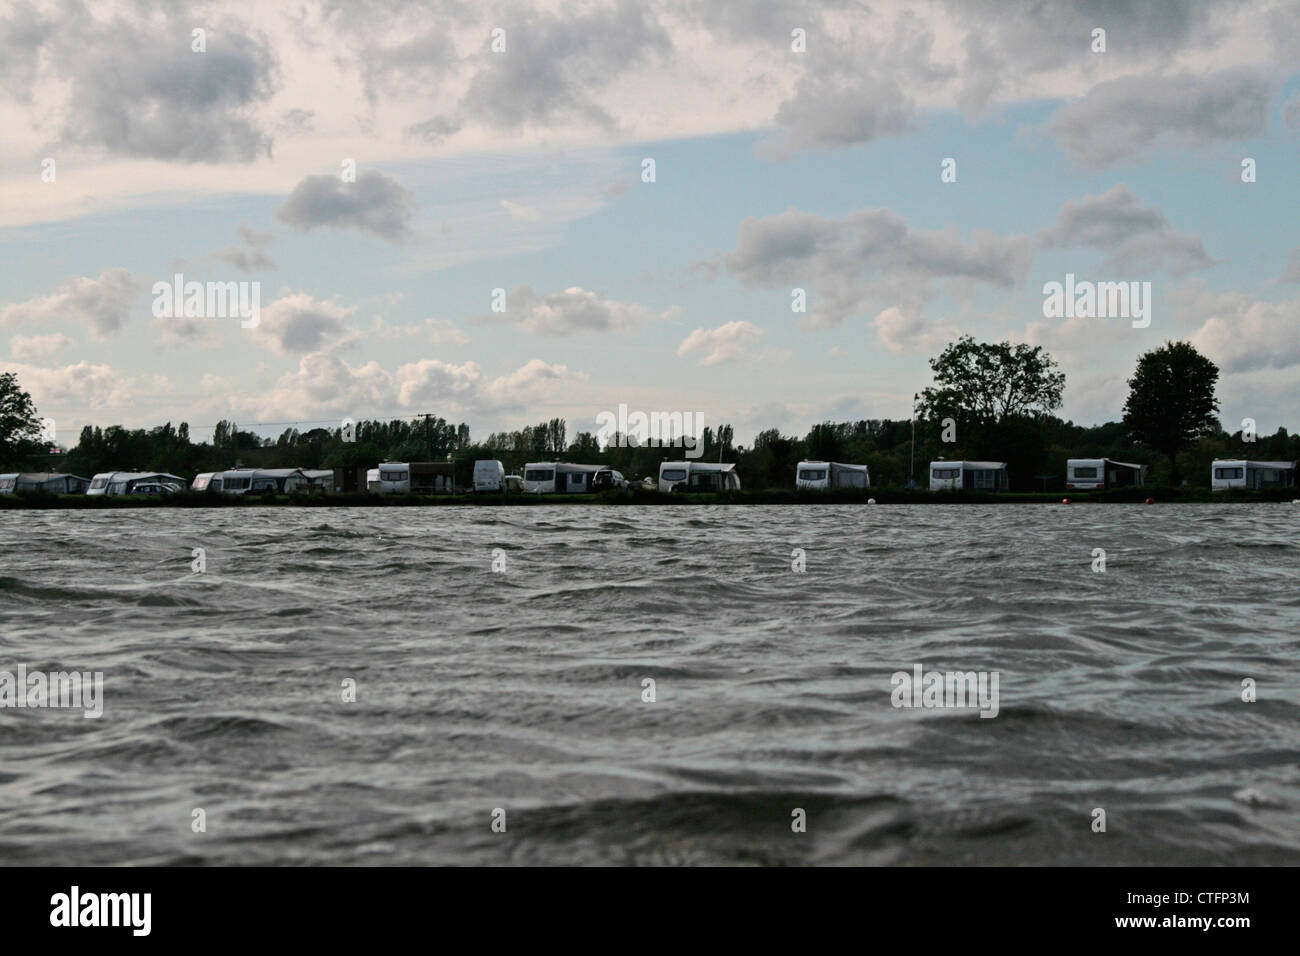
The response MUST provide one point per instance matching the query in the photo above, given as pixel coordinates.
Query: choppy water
(522, 690)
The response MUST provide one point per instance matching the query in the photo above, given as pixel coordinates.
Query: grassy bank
(884, 496)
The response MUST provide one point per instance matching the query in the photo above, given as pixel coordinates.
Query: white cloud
(103, 305)
(723, 344)
(299, 323)
(573, 310)
(39, 349)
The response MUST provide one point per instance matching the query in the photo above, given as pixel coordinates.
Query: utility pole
(428, 432)
(911, 461)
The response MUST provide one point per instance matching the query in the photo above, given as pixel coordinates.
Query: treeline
(1035, 449)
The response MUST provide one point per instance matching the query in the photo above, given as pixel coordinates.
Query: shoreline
(44, 501)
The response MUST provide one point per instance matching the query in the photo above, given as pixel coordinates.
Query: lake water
(522, 690)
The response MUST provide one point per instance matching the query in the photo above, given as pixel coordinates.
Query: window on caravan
(99, 483)
(8, 484)
(809, 474)
(1085, 472)
(117, 488)
(236, 484)
(392, 476)
(1268, 474)
(943, 473)
(985, 479)
(538, 474)
(265, 484)
(673, 474)
(1227, 473)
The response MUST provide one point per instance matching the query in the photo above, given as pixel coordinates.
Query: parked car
(607, 479)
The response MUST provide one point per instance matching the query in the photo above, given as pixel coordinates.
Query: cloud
(102, 304)
(375, 204)
(723, 344)
(1248, 336)
(1291, 114)
(553, 69)
(82, 385)
(298, 323)
(844, 264)
(1127, 118)
(246, 260)
(1139, 238)
(40, 349)
(325, 384)
(140, 90)
(573, 310)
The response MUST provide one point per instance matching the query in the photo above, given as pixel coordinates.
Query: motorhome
(968, 475)
(558, 477)
(390, 478)
(820, 475)
(1240, 473)
(207, 481)
(55, 483)
(122, 482)
(489, 475)
(698, 476)
(260, 481)
(1082, 474)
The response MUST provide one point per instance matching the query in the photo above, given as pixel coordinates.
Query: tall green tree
(19, 426)
(1171, 400)
(987, 382)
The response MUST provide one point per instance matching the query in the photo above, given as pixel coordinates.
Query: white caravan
(698, 476)
(259, 481)
(1082, 474)
(489, 475)
(1240, 473)
(820, 475)
(968, 475)
(122, 482)
(208, 481)
(558, 477)
(391, 477)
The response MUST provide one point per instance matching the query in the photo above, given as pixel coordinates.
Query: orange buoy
(1151, 501)
(1065, 501)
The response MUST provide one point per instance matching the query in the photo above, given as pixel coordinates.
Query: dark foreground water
(522, 690)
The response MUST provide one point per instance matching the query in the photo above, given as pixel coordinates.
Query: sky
(504, 212)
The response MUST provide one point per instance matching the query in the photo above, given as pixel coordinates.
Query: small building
(698, 476)
(821, 475)
(55, 483)
(1256, 475)
(968, 475)
(1086, 473)
(433, 477)
(350, 479)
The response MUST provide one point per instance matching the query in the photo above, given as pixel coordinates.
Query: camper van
(123, 482)
(820, 475)
(489, 476)
(968, 475)
(390, 478)
(698, 476)
(1086, 473)
(559, 477)
(1239, 473)
(260, 481)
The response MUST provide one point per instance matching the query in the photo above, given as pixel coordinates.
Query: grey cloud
(872, 253)
(570, 311)
(552, 68)
(246, 260)
(1138, 238)
(375, 204)
(1125, 119)
(141, 91)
